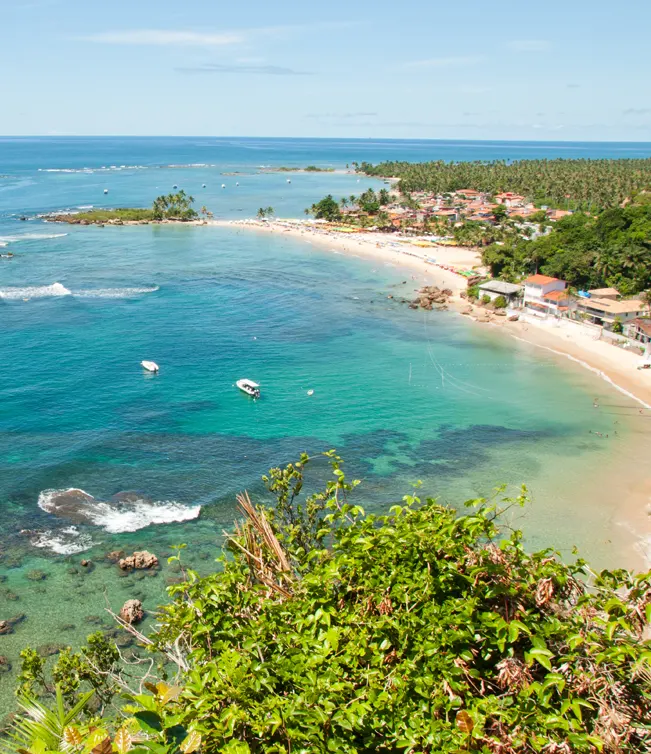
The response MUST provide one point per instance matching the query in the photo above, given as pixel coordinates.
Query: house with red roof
(544, 295)
(509, 199)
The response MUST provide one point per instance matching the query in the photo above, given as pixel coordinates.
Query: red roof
(555, 296)
(540, 280)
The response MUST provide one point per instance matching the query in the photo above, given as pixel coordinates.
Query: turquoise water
(403, 395)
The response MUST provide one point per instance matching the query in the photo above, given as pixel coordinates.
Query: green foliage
(153, 727)
(473, 292)
(40, 730)
(326, 209)
(174, 207)
(618, 327)
(613, 249)
(500, 302)
(97, 216)
(571, 184)
(265, 212)
(422, 630)
(500, 213)
(418, 631)
(485, 299)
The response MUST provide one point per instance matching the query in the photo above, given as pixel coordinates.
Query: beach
(625, 477)
(569, 339)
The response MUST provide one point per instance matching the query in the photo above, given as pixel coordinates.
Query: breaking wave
(31, 237)
(57, 289)
(114, 292)
(38, 291)
(124, 512)
(102, 169)
(68, 541)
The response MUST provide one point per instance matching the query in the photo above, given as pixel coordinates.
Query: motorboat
(106, 191)
(249, 387)
(150, 366)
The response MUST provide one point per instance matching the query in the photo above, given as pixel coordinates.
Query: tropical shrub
(423, 630)
(500, 302)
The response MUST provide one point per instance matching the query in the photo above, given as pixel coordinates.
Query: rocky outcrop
(142, 559)
(5, 627)
(429, 296)
(115, 556)
(132, 612)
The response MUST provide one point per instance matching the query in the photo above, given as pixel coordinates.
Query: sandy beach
(568, 339)
(627, 478)
(377, 246)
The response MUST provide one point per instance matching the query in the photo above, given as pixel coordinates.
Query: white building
(545, 295)
(495, 288)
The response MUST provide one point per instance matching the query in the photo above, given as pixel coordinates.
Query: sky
(571, 70)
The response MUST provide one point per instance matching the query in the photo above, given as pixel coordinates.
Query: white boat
(150, 366)
(249, 387)
(106, 191)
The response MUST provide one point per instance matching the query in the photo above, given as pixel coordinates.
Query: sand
(378, 246)
(569, 339)
(627, 480)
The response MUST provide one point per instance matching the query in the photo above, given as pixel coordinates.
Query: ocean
(402, 395)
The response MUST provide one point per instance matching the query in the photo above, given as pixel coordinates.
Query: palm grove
(605, 242)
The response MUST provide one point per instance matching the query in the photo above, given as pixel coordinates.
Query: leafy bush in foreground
(329, 630)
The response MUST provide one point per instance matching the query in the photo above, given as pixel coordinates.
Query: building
(509, 200)
(607, 293)
(604, 311)
(495, 288)
(639, 329)
(545, 295)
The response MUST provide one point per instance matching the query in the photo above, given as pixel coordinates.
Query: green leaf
(149, 722)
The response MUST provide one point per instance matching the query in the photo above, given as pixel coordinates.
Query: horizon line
(318, 138)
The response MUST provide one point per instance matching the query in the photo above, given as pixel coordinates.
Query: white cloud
(529, 45)
(165, 37)
(451, 62)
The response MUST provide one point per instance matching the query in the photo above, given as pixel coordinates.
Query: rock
(9, 595)
(132, 612)
(94, 620)
(47, 650)
(514, 318)
(67, 627)
(85, 563)
(36, 575)
(5, 627)
(139, 560)
(5, 665)
(500, 313)
(115, 556)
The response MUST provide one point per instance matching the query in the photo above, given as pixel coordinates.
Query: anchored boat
(249, 387)
(150, 366)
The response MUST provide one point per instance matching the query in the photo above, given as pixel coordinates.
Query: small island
(167, 208)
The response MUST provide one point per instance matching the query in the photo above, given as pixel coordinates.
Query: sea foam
(32, 237)
(37, 291)
(68, 541)
(57, 289)
(116, 516)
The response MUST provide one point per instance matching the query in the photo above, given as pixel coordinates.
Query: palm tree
(39, 729)
(262, 213)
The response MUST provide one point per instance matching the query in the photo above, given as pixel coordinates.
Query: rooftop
(540, 280)
(499, 286)
(604, 292)
(555, 296)
(644, 324)
(612, 307)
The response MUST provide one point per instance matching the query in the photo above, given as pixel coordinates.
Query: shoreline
(570, 340)
(626, 478)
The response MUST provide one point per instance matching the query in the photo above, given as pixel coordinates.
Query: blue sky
(572, 70)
